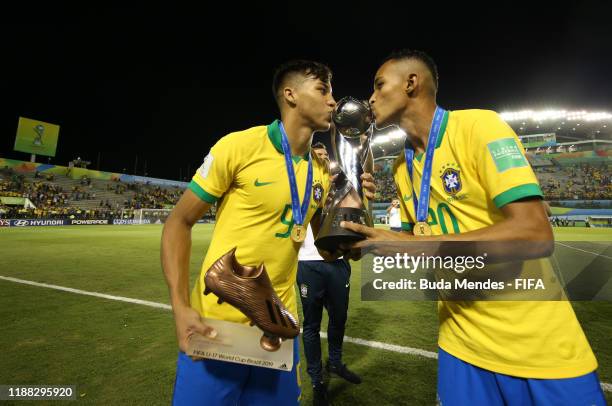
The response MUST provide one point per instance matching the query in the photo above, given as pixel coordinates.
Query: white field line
(84, 292)
(579, 249)
(359, 341)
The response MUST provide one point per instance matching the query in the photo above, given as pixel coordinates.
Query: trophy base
(331, 235)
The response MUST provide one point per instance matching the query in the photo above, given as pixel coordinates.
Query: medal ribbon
(299, 213)
(421, 205)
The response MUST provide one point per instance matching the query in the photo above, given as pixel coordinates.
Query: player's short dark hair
(319, 145)
(301, 66)
(419, 56)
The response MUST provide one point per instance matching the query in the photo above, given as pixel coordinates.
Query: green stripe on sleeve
(201, 193)
(516, 193)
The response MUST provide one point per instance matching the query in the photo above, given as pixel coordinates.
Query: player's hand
(188, 322)
(369, 187)
(374, 241)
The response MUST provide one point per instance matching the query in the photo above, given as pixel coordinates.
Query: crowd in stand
(578, 182)
(53, 201)
(155, 198)
(18, 212)
(385, 187)
(42, 195)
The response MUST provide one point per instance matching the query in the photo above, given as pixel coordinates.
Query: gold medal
(421, 229)
(298, 233)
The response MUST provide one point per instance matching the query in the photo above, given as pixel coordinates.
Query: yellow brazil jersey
(245, 171)
(478, 167)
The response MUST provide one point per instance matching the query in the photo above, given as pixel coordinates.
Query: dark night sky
(165, 84)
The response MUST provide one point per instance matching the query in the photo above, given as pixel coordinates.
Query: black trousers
(323, 284)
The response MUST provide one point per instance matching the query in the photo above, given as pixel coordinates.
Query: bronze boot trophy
(248, 288)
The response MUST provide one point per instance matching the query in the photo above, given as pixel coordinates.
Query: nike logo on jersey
(407, 197)
(258, 183)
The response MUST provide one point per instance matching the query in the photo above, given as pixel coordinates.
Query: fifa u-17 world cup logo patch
(304, 290)
(506, 154)
(203, 171)
(451, 179)
(317, 192)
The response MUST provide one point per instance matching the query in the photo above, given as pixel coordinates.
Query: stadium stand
(576, 182)
(56, 196)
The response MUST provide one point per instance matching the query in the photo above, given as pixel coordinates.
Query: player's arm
(176, 245)
(210, 182)
(524, 220)
(175, 253)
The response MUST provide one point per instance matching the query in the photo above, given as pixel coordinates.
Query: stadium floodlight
(598, 116)
(551, 114)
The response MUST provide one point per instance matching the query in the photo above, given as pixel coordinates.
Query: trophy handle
(368, 166)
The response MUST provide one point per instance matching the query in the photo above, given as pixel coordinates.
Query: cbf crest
(451, 179)
(317, 192)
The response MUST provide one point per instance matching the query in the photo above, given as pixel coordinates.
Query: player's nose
(331, 103)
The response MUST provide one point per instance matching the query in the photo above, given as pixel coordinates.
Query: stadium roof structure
(568, 125)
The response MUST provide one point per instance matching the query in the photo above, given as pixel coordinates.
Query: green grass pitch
(122, 353)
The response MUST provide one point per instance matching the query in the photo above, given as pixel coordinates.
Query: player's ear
(290, 95)
(411, 84)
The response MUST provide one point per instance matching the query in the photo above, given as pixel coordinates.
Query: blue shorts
(212, 382)
(461, 383)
